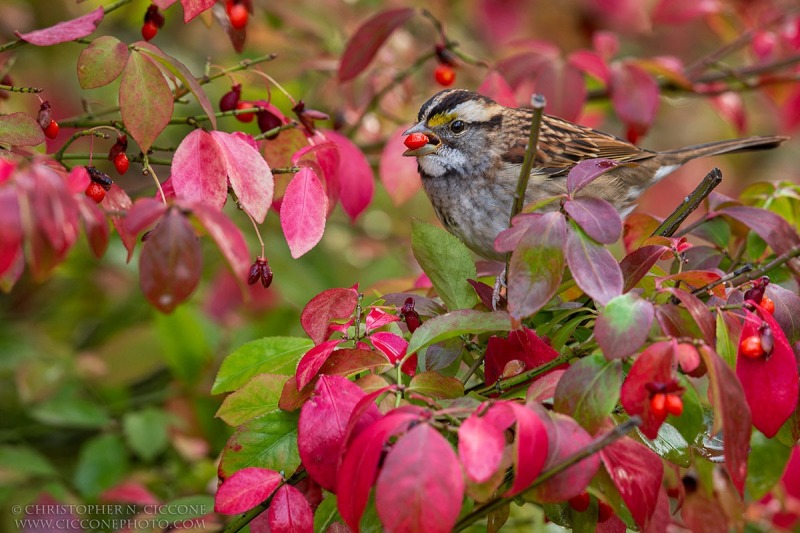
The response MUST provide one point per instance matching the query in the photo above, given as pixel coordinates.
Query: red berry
(768, 305)
(149, 30)
(445, 76)
(658, 405)
(51, 131)
(238, 15)
(96, 192)
(751, 347)
(674, 404)
(245, 117)
(604, 511)
(580, 502)
(122, 163)
(416, 140)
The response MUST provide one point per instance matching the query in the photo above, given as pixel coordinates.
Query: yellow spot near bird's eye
(440, 118)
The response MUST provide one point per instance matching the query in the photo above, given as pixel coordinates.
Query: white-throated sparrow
(472, 160)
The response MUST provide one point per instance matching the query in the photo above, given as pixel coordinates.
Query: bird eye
(457, 126)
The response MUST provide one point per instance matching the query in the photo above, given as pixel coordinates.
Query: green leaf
(691, 422)
(65, 411)
(435, 385)
(266, 442)
(24, 460)
(101, 62)
(623, 325)
(145, 100)
(589, 390)
(185, 344)
(327, 513)
(180, 71)
(716, 231)
(447, 262)
(186, 508)
(457, 323)
(670, 445)
(270, 355)
(257, 397)
(765, 465)
(20, 129)
(146, 432)
(726, 346)
(103, 463)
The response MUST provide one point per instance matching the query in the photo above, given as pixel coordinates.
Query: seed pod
(268, 121)
(230, 99)
(44, 119)
(99, 177)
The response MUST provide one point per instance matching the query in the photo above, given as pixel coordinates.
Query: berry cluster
(153, 21)
(231, 100)
(46, 122)
(760, 344)
(260, 270)
(665, 399)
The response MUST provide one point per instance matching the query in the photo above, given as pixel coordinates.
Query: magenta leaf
(377, 318)
(588, 391)
(356, 181)
(312, 361)
(68, 30)
(145, 100)
(20, 129)
(368, 38)
(654, 365)
(245, 489)
(595, 270)
(537, 265)
(530, 448)
(596, 217)
(322, 156)
(770, 381)
(118, 201)
(634, 95)
(228, 238)
(592, 63)
(192, 8)
(143, 214)
(359, 465)
(587, 171)
(398, 174)
(681, 11)
(496, 87)
(170, 263)
(731, 108)
(303, 212)
(199, 173)
(329, 305)
(290, 512)
(564, 87)
(415, 493)
(95, 225)
(394, 347)
(522, 345)
(101, 62)
(636, 472)
(249, 175)
(624, 325)
(480, 447)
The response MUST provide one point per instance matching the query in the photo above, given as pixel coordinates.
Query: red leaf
(544, 387)
(415, 493)
(638, 263)
(368, 38)
(249, 175)
(732, 415)
(198, 170)
(593, 267)
(398, 174)
(143, 214)
(770, 381)
(145, 100)
(228, 238)
(730, 107)
(322, 428)
(289, 512)
(95, 226)
(356, 181)
(329, 305)
(303, 212)
(312, 361)
(245, 489)
(521, 345)
(171, 262)
(681, 11)
(596, 217)
(480, 446)
(530, 448)
(587, 171)
(394, 348)
(377, 318)
(634, 95)
(564, 87)
(496, 87)
(654, 365)
(636, 472)
(118, 201)
(69, 30)
(700, 313)
(592, 63)
(360, 464)
(192, 8)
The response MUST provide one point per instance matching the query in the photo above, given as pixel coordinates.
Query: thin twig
(782, 259)
(502, 385)
(690, 203)
(724, 279)
(15, 89)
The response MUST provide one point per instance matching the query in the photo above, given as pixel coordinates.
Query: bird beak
(431, 147)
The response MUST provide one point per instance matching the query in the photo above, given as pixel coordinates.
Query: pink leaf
(329, 305)
(142, 215)
(77, 180)
(595, 270)
(530, 448)
(681, 11)
(398, 174)
(634, 95)
(313, 360)
(322, 156)
(369, 37)
(394, 348)
(118, 201)
(592, 63)
(245, 489)
(10, 230)
(21, 129)
(730, 107)
(303, 212)
(355, 177)
(192, 8)
(290, 512)
(323, 426)
(95, 225)
(198, 170)
(129, 492)
(229, 240)
(480, 447)
(377, 318)
(69, 30)
(636, 472)
(249, 175)
(596, 217)
(564, 87)
(415, 493)
(587, 171)
(145, 100)
(496, 87)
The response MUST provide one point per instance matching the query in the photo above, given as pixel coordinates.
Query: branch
(502, 385)
(782, 259)
(246, 518)
(15, 89)
(690, 203)
(609, 438)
